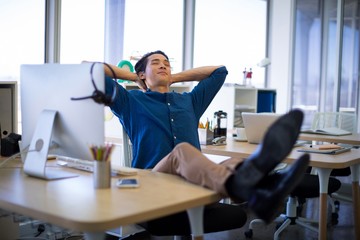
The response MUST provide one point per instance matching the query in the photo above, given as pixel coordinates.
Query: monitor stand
(35, 162)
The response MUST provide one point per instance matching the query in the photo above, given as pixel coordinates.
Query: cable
(10, 158)
(26, 150)
(97, 95)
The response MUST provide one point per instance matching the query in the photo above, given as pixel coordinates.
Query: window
(22, 35)
(22, 26)
(154, 25)
(231, 33)
(82, 31)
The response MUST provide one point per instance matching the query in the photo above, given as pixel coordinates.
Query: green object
(125, 65)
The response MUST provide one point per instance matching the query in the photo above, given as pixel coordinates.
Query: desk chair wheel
(249, 233)
(334, 218)
(337, 205)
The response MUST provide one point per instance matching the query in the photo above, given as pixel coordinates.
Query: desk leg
(324, 175)
(355, 173)
(196, 216)
(94, 235)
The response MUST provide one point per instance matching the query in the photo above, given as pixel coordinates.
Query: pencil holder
(102, 174)
(205, 136)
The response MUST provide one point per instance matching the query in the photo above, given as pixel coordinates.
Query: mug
(240, 133)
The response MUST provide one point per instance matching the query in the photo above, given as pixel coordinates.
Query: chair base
(290, 218)
(306, 223)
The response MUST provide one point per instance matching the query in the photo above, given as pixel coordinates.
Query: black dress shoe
(272, 190)
(276, 145)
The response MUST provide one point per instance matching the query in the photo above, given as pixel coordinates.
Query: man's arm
(124, 74)
(195, 74)
(119, 72)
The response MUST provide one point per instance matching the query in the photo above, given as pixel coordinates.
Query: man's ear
(141, 75)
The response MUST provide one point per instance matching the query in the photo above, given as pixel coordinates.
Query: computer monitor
(53, 123)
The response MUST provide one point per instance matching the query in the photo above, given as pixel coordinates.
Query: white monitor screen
(77, 124)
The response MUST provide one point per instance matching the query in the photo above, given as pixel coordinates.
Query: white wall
(280, 48)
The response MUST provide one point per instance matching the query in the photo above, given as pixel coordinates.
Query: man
(162, 127)
(156, 119)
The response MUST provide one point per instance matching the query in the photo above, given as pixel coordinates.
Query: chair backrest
(342, 120)
(127, 148)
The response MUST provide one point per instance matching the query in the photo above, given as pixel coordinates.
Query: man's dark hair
(141, 64)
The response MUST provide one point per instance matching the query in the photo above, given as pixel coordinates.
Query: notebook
(256, 125)
(328, 131)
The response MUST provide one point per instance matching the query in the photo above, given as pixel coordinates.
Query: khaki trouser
(189, 163)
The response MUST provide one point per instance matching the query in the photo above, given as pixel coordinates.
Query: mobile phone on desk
(127, 183)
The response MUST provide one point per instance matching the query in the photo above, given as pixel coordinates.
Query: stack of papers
(325, 148)
(328, 131)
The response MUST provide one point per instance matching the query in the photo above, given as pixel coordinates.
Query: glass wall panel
(350, 56)
(307, 57)
(326, 56)
(330, 55)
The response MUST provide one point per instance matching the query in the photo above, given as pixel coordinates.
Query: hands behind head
(141, 84)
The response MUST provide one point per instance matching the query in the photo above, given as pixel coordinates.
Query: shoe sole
(288, 125)
(273, 149)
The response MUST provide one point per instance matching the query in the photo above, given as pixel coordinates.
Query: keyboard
(87, 165)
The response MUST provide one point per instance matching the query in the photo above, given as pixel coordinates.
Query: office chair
(217, 216)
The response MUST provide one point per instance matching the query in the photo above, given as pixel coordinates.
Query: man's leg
(268, 196)
(263, 192)
(188, 162)
(250, 180)
(276, 145)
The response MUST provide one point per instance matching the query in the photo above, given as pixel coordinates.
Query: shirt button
(172, 119)
(174, 137)
(168, 104)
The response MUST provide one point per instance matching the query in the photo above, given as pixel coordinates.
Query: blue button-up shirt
(157, 122)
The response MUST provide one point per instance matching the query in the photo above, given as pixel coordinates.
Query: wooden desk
(73, 203)
(324, 163)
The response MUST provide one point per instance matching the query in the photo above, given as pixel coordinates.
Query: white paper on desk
(216, 158)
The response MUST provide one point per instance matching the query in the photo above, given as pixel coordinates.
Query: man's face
(158, 71)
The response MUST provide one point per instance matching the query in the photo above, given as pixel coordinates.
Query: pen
(207, 124)
(101, 153)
